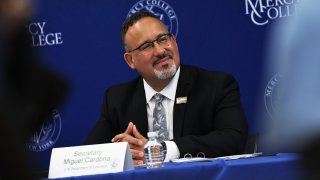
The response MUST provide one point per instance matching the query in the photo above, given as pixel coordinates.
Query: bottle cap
(153, 134)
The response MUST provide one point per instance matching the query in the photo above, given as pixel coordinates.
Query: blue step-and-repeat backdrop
(80, 39)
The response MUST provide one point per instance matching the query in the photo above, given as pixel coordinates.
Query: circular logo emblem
(115, 163)
(161, 9)
(47, 135)
(271, 94)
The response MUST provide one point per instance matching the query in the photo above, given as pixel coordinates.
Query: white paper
(201, 159)
(240, 156)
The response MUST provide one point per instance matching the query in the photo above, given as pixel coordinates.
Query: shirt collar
(169, 91)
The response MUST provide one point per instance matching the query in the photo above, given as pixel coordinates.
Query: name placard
(90, 159)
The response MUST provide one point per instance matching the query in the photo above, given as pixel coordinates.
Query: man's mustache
(164, 55)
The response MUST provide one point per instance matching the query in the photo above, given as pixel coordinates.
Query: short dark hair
(131, 20)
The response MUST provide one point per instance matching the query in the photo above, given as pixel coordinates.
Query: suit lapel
(179, 109)
(140, 118)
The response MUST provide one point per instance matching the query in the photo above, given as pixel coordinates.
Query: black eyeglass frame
(152, 42)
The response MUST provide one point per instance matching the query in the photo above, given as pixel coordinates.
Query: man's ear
(129, 60)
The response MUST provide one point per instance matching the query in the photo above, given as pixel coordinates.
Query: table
(280, 166)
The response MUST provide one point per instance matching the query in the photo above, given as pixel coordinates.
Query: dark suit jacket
(212, 121)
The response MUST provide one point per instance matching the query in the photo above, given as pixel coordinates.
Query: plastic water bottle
(153, 151)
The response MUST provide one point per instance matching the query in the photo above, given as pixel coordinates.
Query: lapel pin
(181, 100)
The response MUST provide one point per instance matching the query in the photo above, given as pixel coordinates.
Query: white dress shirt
(168, 102)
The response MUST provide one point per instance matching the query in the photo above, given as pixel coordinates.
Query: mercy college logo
(261, 11)
(47, 135)
(161, 9)
(271, 95)
(40, 38)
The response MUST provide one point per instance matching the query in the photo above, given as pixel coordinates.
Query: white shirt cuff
(172, 151)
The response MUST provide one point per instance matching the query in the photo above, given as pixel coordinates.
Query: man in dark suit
(203, 113)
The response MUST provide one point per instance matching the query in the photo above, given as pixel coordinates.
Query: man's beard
(166, 73)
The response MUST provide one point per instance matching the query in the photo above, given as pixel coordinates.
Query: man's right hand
(120, 137)
(136, 142)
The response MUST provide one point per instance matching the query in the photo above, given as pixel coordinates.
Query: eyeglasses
(163, 40)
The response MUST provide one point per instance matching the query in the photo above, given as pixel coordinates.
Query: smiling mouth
(162, 61)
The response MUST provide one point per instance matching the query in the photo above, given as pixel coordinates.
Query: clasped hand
(136, 142)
